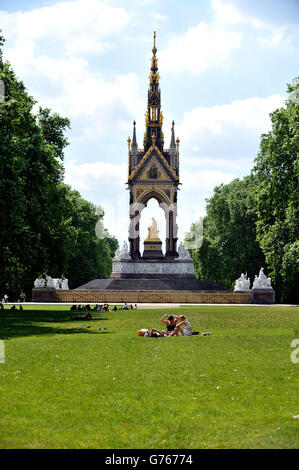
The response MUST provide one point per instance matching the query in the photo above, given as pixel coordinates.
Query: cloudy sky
(224, 66)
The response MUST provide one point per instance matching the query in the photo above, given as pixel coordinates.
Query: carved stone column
(134, 237)
(171, 238)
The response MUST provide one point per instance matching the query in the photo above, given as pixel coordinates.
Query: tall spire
(153, 115)
(134, 140)
(172, 146)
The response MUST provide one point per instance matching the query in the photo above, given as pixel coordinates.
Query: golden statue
(153, 232)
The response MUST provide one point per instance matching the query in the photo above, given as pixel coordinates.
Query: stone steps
(196, 285)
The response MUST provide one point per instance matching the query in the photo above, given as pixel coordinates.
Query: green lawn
(64, 385)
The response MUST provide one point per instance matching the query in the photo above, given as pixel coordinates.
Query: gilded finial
(154, 48)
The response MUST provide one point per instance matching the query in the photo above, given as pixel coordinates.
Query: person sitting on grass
(183, 328)
(170, 322)
(87, 316)
(125, 307)
(114, 308)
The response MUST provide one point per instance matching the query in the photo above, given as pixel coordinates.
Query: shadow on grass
(16, 323)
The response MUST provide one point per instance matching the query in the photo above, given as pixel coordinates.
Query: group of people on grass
(102, 308)
(176, 325)
(12, 308)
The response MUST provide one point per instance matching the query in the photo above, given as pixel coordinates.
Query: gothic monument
(153, 172)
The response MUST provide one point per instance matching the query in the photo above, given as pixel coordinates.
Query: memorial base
(153, 269)
(263, 296)
(152, 250)
(47, 294)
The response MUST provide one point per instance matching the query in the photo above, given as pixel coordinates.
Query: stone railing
(153, 297)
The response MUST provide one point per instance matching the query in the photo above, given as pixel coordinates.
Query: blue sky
(224, 66)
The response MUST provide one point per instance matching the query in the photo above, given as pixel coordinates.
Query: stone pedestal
(47, 294)
(153, 269)
(152, 249)
(263, 296)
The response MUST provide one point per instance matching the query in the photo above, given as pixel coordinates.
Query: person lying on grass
(183, 328)
(87, 316)
(154, 333)
(171, 321)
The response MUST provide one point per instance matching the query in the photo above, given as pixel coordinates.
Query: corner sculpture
(242, 284)
(262, 281)
(49, 282)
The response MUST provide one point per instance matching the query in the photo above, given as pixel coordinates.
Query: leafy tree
(31, 211)
(277, 173)
(45, 226)
(229, 235)
(91, 256)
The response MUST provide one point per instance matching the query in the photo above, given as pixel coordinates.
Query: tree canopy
(229, 235)
(277, 196)
(45, 225)
(254, 222)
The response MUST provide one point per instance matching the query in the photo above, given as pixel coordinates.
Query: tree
(91, 256)
(277, 198)
(44, 224)
(229, 235)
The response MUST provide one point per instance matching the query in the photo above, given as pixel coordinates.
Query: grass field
(64, 385)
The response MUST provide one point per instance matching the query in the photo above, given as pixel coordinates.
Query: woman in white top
(183, 328)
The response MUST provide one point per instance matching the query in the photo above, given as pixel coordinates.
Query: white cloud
(78, 25)
(204, 181)
(62, 77)
(215, 162)
(199, 48)
(248, 114)
(158, 16)
(211, 45)
(86, 175)
(228, 14)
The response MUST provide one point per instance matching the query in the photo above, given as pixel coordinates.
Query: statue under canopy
(153, 232)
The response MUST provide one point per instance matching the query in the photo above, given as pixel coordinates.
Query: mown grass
(64, 385)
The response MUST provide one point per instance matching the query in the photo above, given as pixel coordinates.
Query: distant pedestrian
(6, 298)
(23, 297)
